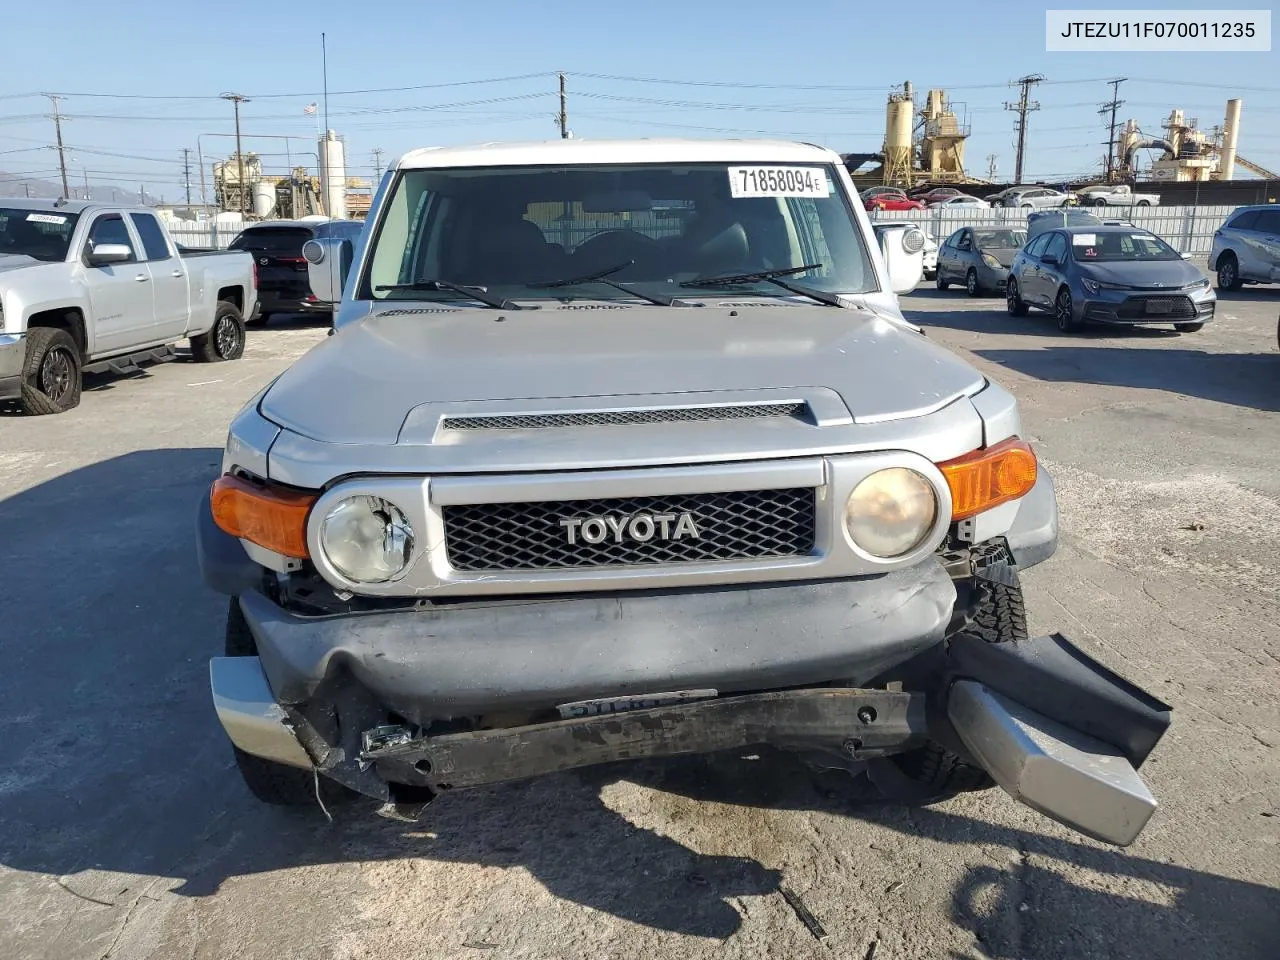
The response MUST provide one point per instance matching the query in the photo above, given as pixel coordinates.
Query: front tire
(1064, 312)
(1014, 303)
(971, 283)
(51, 375)
(225, 339)
(939, 281)
(1229, 272)
(1001, 618)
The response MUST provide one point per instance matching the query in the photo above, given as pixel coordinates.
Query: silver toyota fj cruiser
(624, 449)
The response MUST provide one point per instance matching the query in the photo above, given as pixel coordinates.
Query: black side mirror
(1050, 258)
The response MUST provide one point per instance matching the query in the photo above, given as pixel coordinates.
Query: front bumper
(13, 358)
(992, 278)
(1074, 757)
(1125, 308)
(522, 656)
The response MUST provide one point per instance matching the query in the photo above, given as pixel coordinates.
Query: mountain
(16, 185)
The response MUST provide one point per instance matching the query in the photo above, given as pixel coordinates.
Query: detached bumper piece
(1074, 758)
(859, 723)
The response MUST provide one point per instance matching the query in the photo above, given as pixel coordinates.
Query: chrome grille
(742, 525)
(533, 421)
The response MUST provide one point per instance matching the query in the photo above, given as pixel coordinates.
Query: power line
(1023, 107)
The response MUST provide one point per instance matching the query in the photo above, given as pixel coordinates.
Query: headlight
(1091, 285)
(912, 241)
(367, 539)
(890, 512)
(991, 261)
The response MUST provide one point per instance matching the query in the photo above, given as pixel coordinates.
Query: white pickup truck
(1115, 195)
(89, 288)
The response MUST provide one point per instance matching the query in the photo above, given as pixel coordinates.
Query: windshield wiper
(771, 276)
(475, 293)
(602, 276)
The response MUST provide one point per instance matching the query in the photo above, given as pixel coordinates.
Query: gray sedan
(1115, 275)
(979, 258)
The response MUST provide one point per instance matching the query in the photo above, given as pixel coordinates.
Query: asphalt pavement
(126, 833)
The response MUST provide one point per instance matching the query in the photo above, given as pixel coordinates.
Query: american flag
(309, 108)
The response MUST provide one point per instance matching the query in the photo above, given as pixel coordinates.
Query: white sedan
(961, 200)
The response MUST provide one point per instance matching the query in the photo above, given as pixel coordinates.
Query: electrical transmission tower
(1110, 107)
(1023, 107)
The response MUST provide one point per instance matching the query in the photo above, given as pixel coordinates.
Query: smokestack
(1230, 136)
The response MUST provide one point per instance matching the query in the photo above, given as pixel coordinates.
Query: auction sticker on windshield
(45, 218)
(778, 182)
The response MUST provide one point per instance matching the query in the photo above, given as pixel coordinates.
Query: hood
(16, 261)
(1005, 255)
(1161, 274)
(361, 385)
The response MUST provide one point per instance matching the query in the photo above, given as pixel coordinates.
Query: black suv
(276, 246)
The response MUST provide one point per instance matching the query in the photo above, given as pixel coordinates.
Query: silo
(899, 117)
(333, 176)
(264, 198)
(1230, 137)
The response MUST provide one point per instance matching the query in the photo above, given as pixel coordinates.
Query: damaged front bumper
(1073, 757)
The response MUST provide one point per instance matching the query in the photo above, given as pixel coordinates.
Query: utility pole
(1113, 105)
(1023, 107)
(85, 171)
(563, 117)
(62, 158)
(991, 166)
(237, 99)
(186, 172)
(27, 187)
(377, 166)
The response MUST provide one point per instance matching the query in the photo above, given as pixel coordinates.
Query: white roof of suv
(617, 151)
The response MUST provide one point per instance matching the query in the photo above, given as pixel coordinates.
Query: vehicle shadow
(993, 318)
(1025, 907)
(1240, 379)
(114, 763)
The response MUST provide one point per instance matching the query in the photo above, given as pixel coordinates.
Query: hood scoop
(558, 419)
(798, 410)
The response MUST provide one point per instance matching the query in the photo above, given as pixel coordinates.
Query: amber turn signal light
(270, 517)
(989, 477)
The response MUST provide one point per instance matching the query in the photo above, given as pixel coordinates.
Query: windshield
(35, 233)
(999, 239)
(509, 229)
(1094, 247)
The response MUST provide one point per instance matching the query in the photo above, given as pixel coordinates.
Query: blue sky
(735, 70)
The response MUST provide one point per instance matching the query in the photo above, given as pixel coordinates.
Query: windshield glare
(1095, 247)
(35, 233)
(510, 228)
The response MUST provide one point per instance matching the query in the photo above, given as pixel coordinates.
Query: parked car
(870, 192)
(276, 247)
(750, 505)
(929, 254)
(1043, 220)
(936, 194)
(979, 258)
(88, 288)
(995, 198)
(1037, 198)
(890, 201)
(1115, 195)
(1105, 274)
(1246, 248)
(959, 200)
